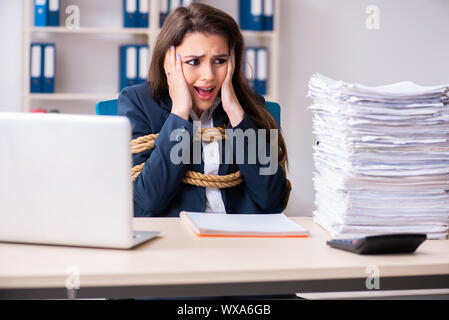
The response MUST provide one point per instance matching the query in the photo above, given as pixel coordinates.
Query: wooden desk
(179, 264)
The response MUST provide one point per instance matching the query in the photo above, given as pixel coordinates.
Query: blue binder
(40, 13)
(251, 14)
(143, 63)
(250, 65)
(143, 20)
(268, 10)
(130, 13)
(168, 6)
(53, 12)
(261, 70)
(36, 59)
(48, 68)
(128, 66)
(165, 10)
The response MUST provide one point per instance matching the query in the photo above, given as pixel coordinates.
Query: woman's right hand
(177, 84)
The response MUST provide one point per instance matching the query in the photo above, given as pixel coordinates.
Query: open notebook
(242, 225)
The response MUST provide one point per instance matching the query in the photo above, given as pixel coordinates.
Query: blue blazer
(159, 190)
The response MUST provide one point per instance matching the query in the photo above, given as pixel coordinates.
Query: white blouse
(214, 201)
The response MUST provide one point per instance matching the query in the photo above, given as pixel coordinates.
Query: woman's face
(205, 60)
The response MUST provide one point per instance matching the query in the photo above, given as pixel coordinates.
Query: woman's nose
(207, 72)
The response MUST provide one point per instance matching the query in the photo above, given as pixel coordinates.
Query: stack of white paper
(382, 158)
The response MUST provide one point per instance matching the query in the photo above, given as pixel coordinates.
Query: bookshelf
(76, 82)
(87, 30)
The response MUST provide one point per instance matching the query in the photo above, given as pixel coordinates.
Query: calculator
(381, 244)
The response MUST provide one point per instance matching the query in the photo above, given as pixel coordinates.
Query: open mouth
(204, 93)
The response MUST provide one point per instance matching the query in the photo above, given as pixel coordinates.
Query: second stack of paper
(382, 158)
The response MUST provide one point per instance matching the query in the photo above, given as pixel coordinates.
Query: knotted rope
(145, 143)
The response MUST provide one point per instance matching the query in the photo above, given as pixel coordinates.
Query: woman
(195, 76)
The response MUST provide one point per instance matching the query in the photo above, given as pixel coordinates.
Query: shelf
(86, 30)
(144, 35)
(73, 96)
(141, 31)
(258, 34)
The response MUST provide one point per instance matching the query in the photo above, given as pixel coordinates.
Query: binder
(40, 13)
(128, 66)
(268, 10)
(251, 14)
(168, 6)
(49, 66)
(143, 14)
(250, 66)
(261, 70)
(165, 5)
(142, 62)
(36, 68)
(53, 12)
(130, 13)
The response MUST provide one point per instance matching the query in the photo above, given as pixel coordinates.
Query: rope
(213, 181)
(210, 135)
(145, 143)
(142, 144)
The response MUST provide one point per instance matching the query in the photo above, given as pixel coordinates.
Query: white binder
(268, 13)
(143, 62)
(36, 67)
(262, 70)
(250, 66)
(49, 56)
(48, 82)
(262, 64)
(53, 5)
(143, 6)
(131, 6)
(164, 6)
(131, 63)
(256, 7)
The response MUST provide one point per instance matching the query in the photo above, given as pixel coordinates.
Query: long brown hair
(199, 17)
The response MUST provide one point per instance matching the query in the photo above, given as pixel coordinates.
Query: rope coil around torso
(145, 143)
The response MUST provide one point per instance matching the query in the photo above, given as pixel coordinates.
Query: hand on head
(177, 84)
(229, 99)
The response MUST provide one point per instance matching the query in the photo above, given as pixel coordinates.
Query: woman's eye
(193, 62)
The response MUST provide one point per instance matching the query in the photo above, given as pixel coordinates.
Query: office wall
(325, 36)
(10, 55)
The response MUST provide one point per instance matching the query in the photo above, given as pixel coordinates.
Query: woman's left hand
(229, 100)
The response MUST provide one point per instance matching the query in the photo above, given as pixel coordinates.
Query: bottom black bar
(206, 309)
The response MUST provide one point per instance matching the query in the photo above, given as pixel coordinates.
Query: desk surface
(178, 257)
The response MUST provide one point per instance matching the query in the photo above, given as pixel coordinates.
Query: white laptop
(66, 180)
